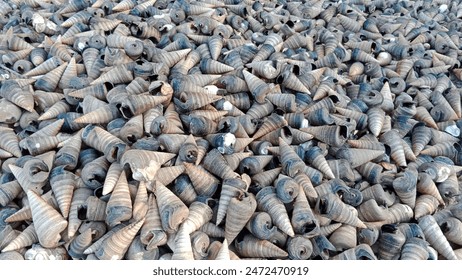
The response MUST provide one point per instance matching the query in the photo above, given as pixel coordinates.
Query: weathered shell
(268, 202)
(48, 222)
(435, 237)
(239, 211)
(172, 210)
(115, 246)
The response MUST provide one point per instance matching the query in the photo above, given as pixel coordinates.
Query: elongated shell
(303, 219)
(256, 248)
(240, 210)
(172, 210)
(435, 237)
(231, 187)
(268, 202)
(390, 242)
(332, 207)
(119, 207)
(48, 222)
(199, 214)
(182, 249)
(152, 233)
(26, 238)
(115, 246)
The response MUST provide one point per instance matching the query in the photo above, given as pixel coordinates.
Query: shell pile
(230, 129)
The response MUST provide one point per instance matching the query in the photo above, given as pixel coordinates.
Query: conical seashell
(358, 157)
(62, 183)
(266, 178)
(332, 135)
(167, 175)
(79, 244)
(405, 187)
(390, 242)
(132, 130)
(332, 207)
(119, 206)
(257, 87)
(425, 205)
(23, 175)
(376, 118)
(140, 204)
(93, 172)
(231, 187)
(67, 156)
(48, 222)
(239, 211)
(182, 249)
(344, 237)
(162, 125)
(299, 248)
(261, 225)
(316, 159)
(223, 253)
(256, 248)
(103, 141)
(423, 115)
(9, 191)
(10, 142)
(79, 197)
(115, 246)
(50, 80)
(200, 242)
(184, 189)
(199, 214)
(421, 136)
(451, 228)
(303, 220)
(435, 237)
(392, 139)
(440, 149)
(11, 91)
(204, 183)
(209, 66)
(379, 194)
(112, 176)
(98, 243)
(254, 164)
(191, 101)
(415, 249)
(172, 210)
(93, 209)
(8, 234)
(152, 234)
(438, 171)
(291, 162)
(425, 185)
(304, 181)
(217, 165)
(26, 238)
(268, 202)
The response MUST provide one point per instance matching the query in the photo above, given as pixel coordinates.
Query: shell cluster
(230, 129)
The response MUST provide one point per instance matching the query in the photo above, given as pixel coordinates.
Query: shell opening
(82, 212)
